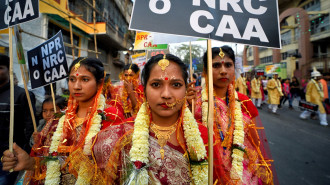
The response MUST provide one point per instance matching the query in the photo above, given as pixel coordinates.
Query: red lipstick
(223, 79)
(77, 94)
(164, 105)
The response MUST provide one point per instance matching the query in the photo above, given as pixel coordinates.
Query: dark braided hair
(135, 68)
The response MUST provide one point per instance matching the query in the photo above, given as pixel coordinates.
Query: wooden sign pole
(191, 79)
(28, 98)
(21, 59)
(53, 96)
(11, 81)
(210, 110)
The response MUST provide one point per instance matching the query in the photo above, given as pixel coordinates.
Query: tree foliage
(197, 51)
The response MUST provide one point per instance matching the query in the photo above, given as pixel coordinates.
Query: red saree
(256, 165)
(116, 141)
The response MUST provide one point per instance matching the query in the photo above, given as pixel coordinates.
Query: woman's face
(82, 85)
(129, 75)
(165, 90)
(223, 71)
(48, 110)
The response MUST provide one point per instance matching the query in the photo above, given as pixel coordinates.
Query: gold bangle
(1, 159)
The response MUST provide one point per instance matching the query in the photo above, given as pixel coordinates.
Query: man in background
(274, 88)
(23, 127)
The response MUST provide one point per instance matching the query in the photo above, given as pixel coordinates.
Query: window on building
(320, 50)
(314, 5)
(53, 29)
(320, 24)
(250, 51)
(250, 63)
(297, 65)
(268, 59)
(79, 7)
(286, 38)
(284, 55)
(296, 34)
(116, 18)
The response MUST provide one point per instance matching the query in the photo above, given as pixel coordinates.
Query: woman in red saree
(63, 152)
(131, 92)
(239, 156)
(163, 144)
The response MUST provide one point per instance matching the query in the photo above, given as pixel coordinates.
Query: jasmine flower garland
(236, 171)
(204, 106)
(196, 148)
(140, 146)
(139, 152)
(53, 167)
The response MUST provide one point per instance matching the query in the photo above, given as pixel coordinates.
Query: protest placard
(47, 62)
(223, 20)
(152, 53)
(139, 59)
(270, 69)
(144, 41)
(17, 11)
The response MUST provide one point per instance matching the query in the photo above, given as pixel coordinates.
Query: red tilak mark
(222, 62)
(166, 78)
(77, 74)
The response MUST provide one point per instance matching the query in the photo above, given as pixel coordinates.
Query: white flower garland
(140, 138)
(236, 171)
(195, 144)
(204, 106)
(140, 146)
(53, 167)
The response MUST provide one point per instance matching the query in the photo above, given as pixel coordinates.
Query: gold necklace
(163, 134)
(78, 121)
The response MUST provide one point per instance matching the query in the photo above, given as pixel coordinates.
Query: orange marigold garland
(81, 147)
(127, 105)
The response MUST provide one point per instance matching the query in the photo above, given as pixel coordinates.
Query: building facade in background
(111, 29)
(305, 38)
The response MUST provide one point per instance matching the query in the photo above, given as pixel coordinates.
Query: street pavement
(300, 148)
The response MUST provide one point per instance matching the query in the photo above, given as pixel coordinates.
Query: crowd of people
(275, 92)
(142, 131)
